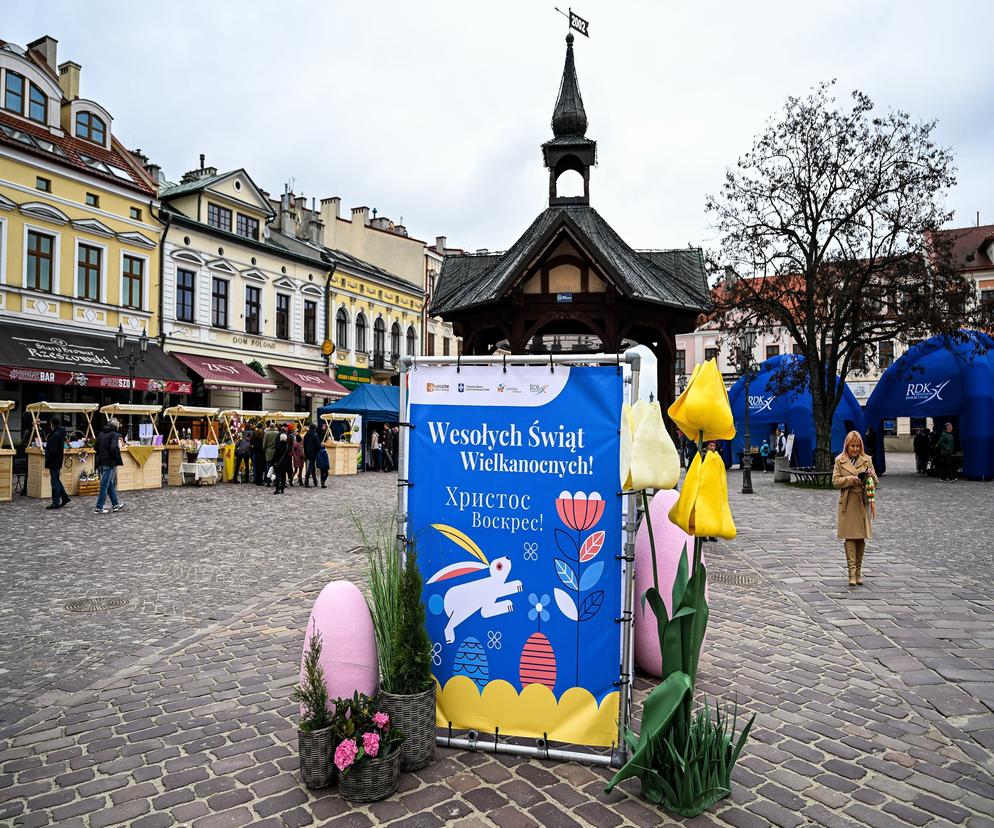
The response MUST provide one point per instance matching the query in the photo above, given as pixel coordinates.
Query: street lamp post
(746, 344)
(134, 358)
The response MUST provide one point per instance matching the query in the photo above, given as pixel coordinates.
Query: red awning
(312, 383)
(225, 374)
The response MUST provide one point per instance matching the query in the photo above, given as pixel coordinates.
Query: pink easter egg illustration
(538, 661)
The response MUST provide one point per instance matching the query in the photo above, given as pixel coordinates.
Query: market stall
(343, 454)
(142, 458)
(288, 416)
(79, 455)
(374, 403)
(6, 451)
(232, 420)
(184, 454)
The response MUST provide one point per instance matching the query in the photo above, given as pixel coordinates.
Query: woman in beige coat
(854, 520)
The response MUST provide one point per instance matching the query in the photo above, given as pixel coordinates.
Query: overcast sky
(434, 111)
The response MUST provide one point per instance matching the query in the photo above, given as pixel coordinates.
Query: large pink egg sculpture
(348, 646)
(670, 542)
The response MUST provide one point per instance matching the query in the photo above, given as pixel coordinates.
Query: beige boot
(860, 546)
(851, 561)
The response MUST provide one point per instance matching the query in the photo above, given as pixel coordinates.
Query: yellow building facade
(79, 241)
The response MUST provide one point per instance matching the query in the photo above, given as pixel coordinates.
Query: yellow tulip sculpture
(703, 406)
(648, 457)
(688, 783)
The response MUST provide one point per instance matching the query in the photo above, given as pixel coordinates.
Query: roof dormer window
(90, 127)
(38, 105)
(13, 98)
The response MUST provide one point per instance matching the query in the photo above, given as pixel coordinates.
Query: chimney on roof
(361, 214)
(331, 208)
(154, 172)
(400, 230)
(199, 173)
(69, 79)
(288, 225)
(46, 48)
(440, 245)
(730, 276)
(315, 227)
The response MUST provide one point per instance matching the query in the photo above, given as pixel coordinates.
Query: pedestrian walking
(312, 442)
(374, 448)
(243, 455)
(55, 453)
(323, 462)
(269, 440)
(854, 516)
(258, 456)
(297, 453)
(946, 446)
(764, 454)
(921, 447)
(779, 444)
(388, 450)
(281, 462)
(107, 460)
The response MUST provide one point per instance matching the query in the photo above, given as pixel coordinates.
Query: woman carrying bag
(854, 476)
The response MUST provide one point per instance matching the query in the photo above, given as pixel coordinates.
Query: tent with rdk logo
(768, 408)
(943, 378)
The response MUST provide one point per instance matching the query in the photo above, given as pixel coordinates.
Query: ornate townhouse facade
(79, 243)
(243, 302)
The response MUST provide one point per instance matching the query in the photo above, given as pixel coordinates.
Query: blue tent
(376, 404)
(941, 378)
(768, 410)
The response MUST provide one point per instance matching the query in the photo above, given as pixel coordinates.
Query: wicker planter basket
(316, 748)
(414, 716)
(374, 780)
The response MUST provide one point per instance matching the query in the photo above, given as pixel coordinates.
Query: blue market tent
(768, 410)
(947, 380)
(376, 404)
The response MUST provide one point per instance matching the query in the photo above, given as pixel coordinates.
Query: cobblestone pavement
(181, 557)
(198, 730)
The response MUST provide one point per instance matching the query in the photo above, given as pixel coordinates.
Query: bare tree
(830, 222)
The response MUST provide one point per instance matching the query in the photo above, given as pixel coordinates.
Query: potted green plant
(367, 751)
(408, 692)
(315, 738)
(407, 687)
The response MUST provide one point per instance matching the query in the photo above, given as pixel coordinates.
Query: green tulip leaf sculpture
(683, 761)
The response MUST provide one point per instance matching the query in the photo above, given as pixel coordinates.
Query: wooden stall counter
(76, 461)
(142, 468)
(343, 457)
(6, 474)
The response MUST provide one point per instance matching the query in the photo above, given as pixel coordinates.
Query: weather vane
(575, 21)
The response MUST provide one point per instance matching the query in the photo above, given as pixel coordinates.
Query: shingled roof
(672, 278)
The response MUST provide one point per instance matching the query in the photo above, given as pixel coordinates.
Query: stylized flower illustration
(436, 654)
(580, 511)
(345, 754)
(538, 609)
(371, 744)
(493, 639)
(381, 720)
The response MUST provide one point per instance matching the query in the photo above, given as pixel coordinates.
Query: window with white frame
(310, 322)
(341, 330)
(40, 264)
(185, 291)
(282, 316)
(132, 281)
(89, 261)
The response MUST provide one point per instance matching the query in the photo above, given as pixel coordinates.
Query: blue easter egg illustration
(471, 661)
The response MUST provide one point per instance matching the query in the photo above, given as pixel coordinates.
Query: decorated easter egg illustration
(538, 662)
(471, 661)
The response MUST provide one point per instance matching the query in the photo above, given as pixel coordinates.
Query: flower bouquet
(367, 754)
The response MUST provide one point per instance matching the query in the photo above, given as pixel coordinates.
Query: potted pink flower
(367, 754)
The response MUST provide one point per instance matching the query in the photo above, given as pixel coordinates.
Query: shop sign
(351, 376)
(55, 349)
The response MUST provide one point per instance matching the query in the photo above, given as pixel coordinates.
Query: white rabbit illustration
(481, 595)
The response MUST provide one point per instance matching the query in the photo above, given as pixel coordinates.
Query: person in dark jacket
(55, 452)
(312, 443)
(243, 455)
(269, 441)
(258, 456)
(922, 445)
(947, 446)
(323, 462)
(281, 462)
(107, 460)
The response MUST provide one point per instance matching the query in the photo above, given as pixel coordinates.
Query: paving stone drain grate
(95, 604)
(734, 577)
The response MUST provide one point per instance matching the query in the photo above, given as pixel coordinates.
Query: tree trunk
(821, 413)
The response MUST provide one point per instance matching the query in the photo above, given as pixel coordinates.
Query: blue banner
(516, 514)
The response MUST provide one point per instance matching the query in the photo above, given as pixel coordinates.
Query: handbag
(271, 475)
